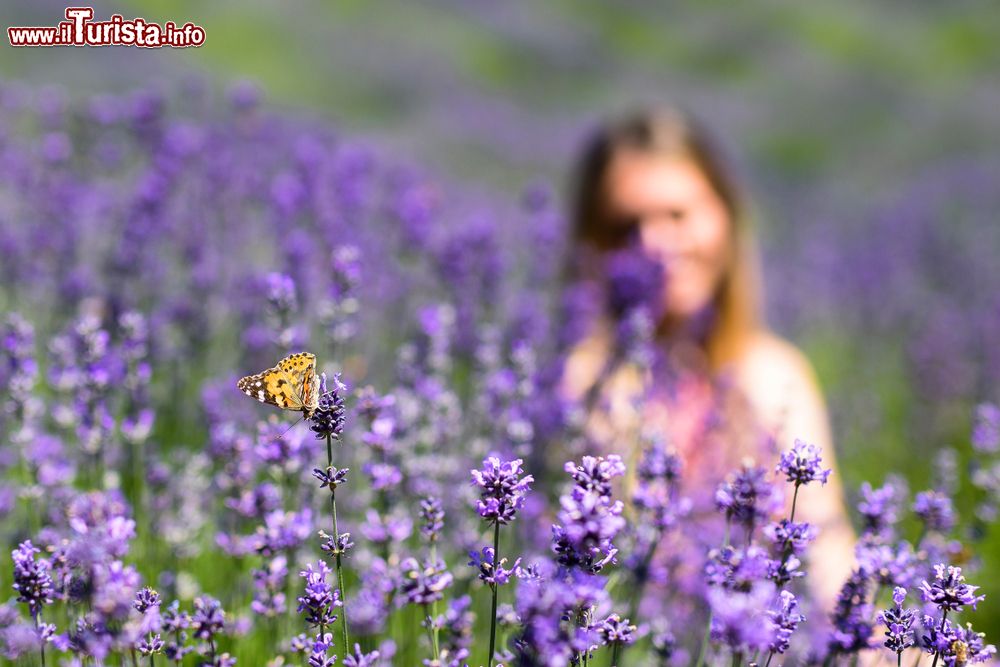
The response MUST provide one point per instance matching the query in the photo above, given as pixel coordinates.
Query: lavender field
(171, 222)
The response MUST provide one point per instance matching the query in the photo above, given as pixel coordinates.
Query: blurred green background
(831, 110)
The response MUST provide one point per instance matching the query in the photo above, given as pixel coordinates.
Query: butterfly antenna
(291, 427)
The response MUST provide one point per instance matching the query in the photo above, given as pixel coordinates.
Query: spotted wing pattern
(291, 385)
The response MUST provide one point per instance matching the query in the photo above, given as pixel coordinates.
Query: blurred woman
(729, 387)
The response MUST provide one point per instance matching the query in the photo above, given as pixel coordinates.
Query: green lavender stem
(339, 555)
(432, 634)
(38, 627)
(495, 587)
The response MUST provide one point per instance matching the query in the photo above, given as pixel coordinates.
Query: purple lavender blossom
(949, 592)
(330, 416)
(736, 617)
(594, 473)
(319, 651)
(801, 464)
(852, 627)
(145, 600)
(175, 625)
(358, 658)
(423, 584)
(588, 524)
(790, 536)
(503, 489)
(615, 630)
(494, 574)
(898, 623)
(986, 430)
(954, 644)
(634, 280)
(208, 619)
(890, 565)
(32, 580)
(550, 609)
(785, 620)
(431, 518)
(738, 569)
(331, 478)
(880, 508)
(746, 497)
(935, 510)
(269, 582)
(319, 599)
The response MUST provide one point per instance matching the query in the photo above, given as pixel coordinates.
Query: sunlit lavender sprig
(327, 422)
(898, 623)
(147, 603)
(424, 584)
(802, 465)
(616, 633)
(589, 518)
(502, 493)
(954, 644)
(33, 584)
(207, 623)
(175, 626)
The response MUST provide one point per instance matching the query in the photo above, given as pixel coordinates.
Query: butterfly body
(291, 385)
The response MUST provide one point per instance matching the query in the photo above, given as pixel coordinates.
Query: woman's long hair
(674, 134)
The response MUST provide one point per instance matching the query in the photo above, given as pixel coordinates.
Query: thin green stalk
(493, 614)
(432, 634)
(614, 653)
(339, 555)
(795, 497)
(38, 627)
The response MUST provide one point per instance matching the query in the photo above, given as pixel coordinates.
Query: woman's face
(670, 208)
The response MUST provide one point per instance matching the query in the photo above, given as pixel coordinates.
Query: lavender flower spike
(898, 623)
(503, 489)
(31, 577)
(949, 590)
(801, 464)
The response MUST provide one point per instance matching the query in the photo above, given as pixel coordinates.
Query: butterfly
(291, 385)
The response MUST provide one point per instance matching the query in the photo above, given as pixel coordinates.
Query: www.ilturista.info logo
(79, 30)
